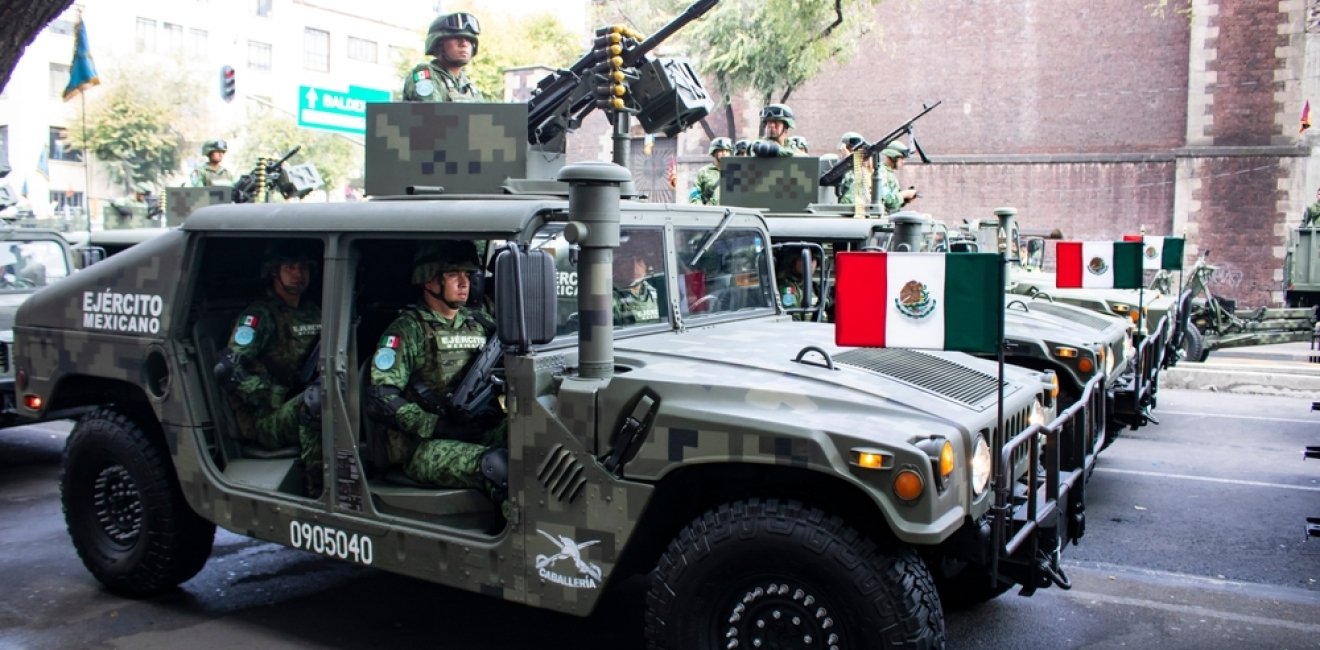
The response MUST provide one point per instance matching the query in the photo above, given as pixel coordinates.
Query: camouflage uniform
(1312, 214)
(636, 308)
(890, 191)
(443, 87)
(792, 293)
(270, 344)
(205, 175)
(783, 114)
(706, 191)
(125, 212)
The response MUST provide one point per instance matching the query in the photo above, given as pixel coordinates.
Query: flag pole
(87, 166)
(1000, 474)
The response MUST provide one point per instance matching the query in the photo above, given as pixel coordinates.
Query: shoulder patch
(244, 335)
(384, 359)
(425, 87)
(250, 320)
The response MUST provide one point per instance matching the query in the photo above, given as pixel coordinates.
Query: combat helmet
(460, 24)
(742, 148)
(214, 145)
(896, 149)
(851, 140)
(797, 142)
(283, 252)
(778, 113)
(720, 144)
(438, 257)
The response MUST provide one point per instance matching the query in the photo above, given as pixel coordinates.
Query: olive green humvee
(754, 469)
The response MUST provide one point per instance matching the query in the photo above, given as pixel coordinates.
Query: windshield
(31, 264)
(720, 271)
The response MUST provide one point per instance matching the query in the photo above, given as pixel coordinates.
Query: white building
(274, 46)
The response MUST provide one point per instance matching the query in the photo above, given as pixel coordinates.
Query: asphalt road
(1194, 540)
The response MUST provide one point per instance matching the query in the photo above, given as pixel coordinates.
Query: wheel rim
(117, 506)
(779, 616)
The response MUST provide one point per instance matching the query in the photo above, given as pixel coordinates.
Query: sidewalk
(1289, 369)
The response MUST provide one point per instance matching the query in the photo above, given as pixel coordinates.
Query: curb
(1285, 382)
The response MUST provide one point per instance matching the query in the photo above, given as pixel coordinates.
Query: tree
(272, 133)
(140, 121)
(20, 22)
(509, 41)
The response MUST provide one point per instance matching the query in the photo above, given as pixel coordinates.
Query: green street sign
(337, 110)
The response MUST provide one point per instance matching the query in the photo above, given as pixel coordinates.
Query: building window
(66, 200)
(59, 79)
(258, 55)
(263, 7)
(361, 49)
(146, 35)
(197, 43)
(172, 37)
(62, 27)
(316, 50)
(59, 146)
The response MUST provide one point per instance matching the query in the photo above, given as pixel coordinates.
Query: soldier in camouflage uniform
(421, 356)
(776, 120)
(266, 368)
(742, 148)
(850, 141)
(452, 40)
(791, 280)
(707, 188)
(798, 144)
(128, 211)
(1312, 214)
(892, 194)
(213, 173)
(635, 300)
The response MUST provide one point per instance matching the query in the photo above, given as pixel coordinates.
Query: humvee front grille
(936, 374)
(1090, 320)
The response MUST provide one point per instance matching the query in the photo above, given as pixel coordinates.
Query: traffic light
(227, 83)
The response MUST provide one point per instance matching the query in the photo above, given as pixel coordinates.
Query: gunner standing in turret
(452, 40)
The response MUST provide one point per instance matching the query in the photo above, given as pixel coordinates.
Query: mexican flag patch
(391, 342)
(250, 320)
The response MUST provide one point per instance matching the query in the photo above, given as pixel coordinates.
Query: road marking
(1227, 481)
(1160, 412)
(1194, 611)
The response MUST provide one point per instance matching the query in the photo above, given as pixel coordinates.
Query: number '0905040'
(331, 542)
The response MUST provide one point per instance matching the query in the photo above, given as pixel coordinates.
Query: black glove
(763, 149)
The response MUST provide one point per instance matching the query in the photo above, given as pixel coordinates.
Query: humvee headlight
(1065, 352)
(946, 461)
(908, 484)
(1037, 416)
(1054, 386)
(33, 402)
(980, 466)
(1107, 356)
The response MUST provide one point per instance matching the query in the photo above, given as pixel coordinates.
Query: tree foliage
(139, 120)
(769, 48)
(271, 133)
(509, 41)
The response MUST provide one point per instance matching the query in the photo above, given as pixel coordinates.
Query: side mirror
(89, 255)
(1035, 253)
(525, 298)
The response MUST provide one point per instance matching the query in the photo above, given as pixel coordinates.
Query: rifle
(845, 164)
(474, 394)
(564, 98)
(265, 174)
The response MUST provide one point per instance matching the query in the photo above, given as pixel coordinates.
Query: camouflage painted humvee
(775, 486)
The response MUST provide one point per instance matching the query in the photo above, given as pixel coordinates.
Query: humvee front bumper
(1135, 395)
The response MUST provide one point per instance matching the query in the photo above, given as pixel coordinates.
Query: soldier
(635, 300)
(130, 211)
(776, 121)
(1312, 214)
(847, 143)
(707, 189)
(798, 144)
(452, 40)
(268, 365)
(212, 173)
(742, 148)
(421, 356)
(791, 278)
(892, 195)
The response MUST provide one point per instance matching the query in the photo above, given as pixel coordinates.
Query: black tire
(962, 586)
(1193, 343)
(124, 510)
(803, 572)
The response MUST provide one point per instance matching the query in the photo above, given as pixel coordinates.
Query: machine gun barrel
(835, 174)
(693, 12)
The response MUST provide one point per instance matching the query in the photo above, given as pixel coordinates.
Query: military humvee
(861, 480)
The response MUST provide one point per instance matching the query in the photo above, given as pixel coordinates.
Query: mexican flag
(941, 301)
(1098, 265)
(1159, 252)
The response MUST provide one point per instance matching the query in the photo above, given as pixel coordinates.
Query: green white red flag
(1159, 252)
(1098, 265)
(941, 301)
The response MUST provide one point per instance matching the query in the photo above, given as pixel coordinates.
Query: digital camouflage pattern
(464, 148)
(706, 190)
(772, 184)
(272, 340)
(205, 176)
(431, 82)
(183, 201)
(891, 193)
(726, 392)
(423, 352)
